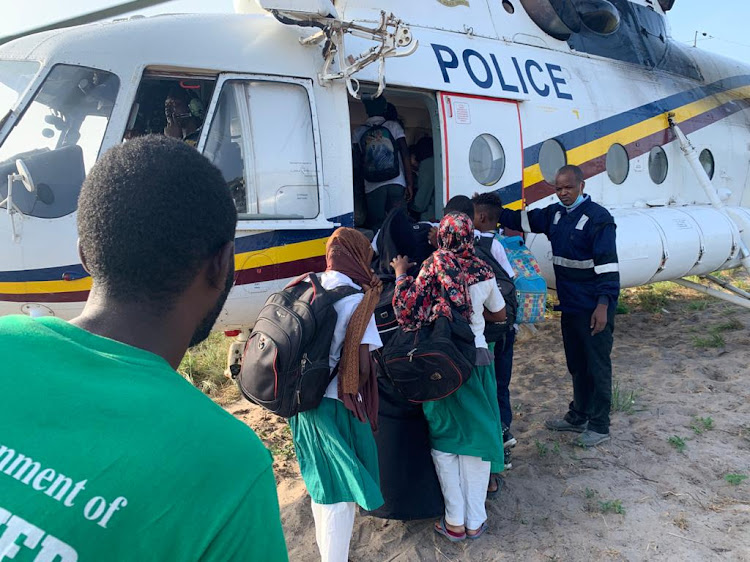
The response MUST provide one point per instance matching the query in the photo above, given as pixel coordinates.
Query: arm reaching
(536, 220)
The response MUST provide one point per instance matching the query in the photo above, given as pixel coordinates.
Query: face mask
(575, 204)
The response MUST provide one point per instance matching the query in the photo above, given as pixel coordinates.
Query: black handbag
(432, 362)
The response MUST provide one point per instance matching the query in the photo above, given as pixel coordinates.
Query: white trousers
(334, 524)
(463, 481)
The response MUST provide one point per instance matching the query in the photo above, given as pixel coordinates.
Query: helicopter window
(657, 165)
(58, 138)
(170, 105)
(486, 159)
(551, 158)
(15, 76)
(224, 146)
(267, 158)
(707, 161)
(618, 163)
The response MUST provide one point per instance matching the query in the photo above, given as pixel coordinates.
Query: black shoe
(508, 439)
(508, 460)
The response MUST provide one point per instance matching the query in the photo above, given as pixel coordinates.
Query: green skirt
(468, 421)
(337, 456)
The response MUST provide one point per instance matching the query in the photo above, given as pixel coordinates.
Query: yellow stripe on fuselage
(258, 258)
(281, 254)
(45, 287)
(600, 146)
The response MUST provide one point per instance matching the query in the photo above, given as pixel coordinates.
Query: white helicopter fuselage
(503, 102)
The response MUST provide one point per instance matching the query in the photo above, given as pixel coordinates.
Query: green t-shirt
(107, 454)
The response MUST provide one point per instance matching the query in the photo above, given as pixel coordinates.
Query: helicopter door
(482, 147)
(261, 133)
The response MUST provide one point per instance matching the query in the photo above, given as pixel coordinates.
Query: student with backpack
(464, 426)
(383, 154)
(334, 441)
(403, 437)
(487, 207)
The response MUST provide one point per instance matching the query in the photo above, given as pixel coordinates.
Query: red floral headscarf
(443, 281)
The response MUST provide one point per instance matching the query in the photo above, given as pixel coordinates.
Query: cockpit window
(15, 76)
(58, 137)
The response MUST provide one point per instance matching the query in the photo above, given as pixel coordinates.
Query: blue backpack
(379, 154)
(531, 288)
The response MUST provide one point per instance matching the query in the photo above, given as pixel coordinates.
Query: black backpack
(380, 154)
(285, 363)
(385, 315)
(432, 362)
(495, 331)
(398, 235)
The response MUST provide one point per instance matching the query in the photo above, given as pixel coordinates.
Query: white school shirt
(498, 252)
(484, 294)
(344, 309)
(397, 132)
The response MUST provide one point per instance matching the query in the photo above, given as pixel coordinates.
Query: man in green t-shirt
(106, 453)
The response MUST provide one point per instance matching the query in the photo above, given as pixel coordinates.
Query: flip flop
(442, 529)
(499, 482)
(479, 532)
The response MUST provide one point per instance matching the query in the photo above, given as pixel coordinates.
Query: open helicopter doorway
(417, 113)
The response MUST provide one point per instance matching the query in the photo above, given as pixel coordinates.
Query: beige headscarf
(350, 253)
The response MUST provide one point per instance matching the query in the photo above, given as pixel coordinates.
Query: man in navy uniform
(582, 234)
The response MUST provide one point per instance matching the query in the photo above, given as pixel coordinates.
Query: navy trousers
(503, 370)
(590, 365)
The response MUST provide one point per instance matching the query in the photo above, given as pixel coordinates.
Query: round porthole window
(657, 165)
(486, 159)
(508, 6)
(707, 161)
(551, 159)
(618, 163)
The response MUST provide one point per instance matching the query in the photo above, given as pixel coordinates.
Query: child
(465, 426)
(334, 442)
(487, 207)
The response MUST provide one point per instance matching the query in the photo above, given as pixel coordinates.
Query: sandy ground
(638, 497)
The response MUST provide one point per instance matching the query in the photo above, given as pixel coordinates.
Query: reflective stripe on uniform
(573, 264)
(607, 268)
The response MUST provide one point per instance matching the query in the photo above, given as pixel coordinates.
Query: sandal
(479, 532)
(441, 528)
(494, 478)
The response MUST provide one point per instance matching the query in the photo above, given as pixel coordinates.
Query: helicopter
(508, 92)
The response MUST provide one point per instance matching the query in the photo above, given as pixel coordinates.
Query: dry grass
(665, 297)
(203, 366)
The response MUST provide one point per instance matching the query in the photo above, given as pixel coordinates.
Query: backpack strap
(362, 138)
(485, 248)
(334, 295)
(485, 242)
(341, 292)
(299, 280)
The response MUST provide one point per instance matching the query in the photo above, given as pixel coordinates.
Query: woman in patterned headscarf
(465, 430)
(334, 442)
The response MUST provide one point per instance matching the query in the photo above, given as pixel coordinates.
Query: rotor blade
(98, 15)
